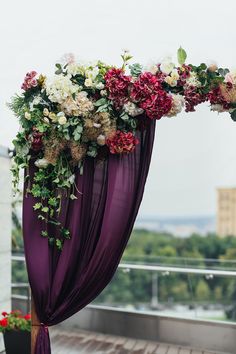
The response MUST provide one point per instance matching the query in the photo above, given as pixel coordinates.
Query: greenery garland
(96, 109)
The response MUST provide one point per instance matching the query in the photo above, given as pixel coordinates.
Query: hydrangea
(59, 88)
(85, 105)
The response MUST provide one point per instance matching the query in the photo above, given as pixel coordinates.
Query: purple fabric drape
(100, 221)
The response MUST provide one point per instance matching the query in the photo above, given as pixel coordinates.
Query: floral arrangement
(15, 320)
(94, 110)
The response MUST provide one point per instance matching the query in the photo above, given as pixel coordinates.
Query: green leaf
(233, 115)
(59, 244)
(37, 206)
(181, 55)
(44, 233)
(73, 197)
(102, 101)
(45, 209)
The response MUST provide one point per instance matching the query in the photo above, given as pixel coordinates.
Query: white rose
(41, 163)
(167, 66)
(88, 83)
(27, 115)
(100, 86)
(45, 112)
(103, 93)
(61, 118)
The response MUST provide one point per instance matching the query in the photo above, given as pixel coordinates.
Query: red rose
(146, 85)
(4, 313)
(156, 106)
(117, 83)
(122, 142)
(4, 322)
(27, 317)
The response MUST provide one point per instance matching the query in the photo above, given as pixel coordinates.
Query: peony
(122, 142)
(41, 163)
(59, 88)
(117, 83)
(132, 109)
(157, 105)
(176, 106)
(146, 85)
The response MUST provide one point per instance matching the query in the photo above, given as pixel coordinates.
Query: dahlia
(117, 83)
(122, 142)
(157, 105)
(146, 85)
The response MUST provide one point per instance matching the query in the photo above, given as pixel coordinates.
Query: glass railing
(177, 288)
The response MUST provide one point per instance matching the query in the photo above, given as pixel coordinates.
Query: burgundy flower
(156, 106)
(122, 142)
(4, 313)
(29, 81)
(215, 97)
(36, 139)
(193, 98)
(146, 85)
(117, 83)
(184, 73)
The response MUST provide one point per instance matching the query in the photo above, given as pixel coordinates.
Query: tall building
(226, 211)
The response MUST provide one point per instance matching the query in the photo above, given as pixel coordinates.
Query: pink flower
(29, 81)
(122, 142)
(146, 85)
(117, 83)
(157, 105)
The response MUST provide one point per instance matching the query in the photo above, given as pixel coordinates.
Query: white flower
(72, 69)
(45, 112)
(27, 115)
(100, 86)
(88, 83)
(153, 69)
(231, 77)
(85, 105)
(192, 80)
(132, 109)
(177, 105)
(167, 66)
(103, 93)
(101, 139)
(217, 108)
(71, 179)
(41, 163)
(173, 78)
(61, 118)
(46, 120)
(92, 73)
(59, 88)
(36, 100)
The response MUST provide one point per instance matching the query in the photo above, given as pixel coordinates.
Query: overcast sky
(194, 153)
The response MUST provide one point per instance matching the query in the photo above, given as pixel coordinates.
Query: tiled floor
(95, 343)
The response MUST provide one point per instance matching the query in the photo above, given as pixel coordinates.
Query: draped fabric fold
(100, 221)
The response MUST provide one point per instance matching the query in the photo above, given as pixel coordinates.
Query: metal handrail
(163, 269)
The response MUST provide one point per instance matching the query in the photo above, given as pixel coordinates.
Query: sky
(194, 153)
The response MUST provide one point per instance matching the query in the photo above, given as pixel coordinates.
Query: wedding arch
(85, 144)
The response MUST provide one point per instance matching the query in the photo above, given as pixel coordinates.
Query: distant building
(226, 213)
